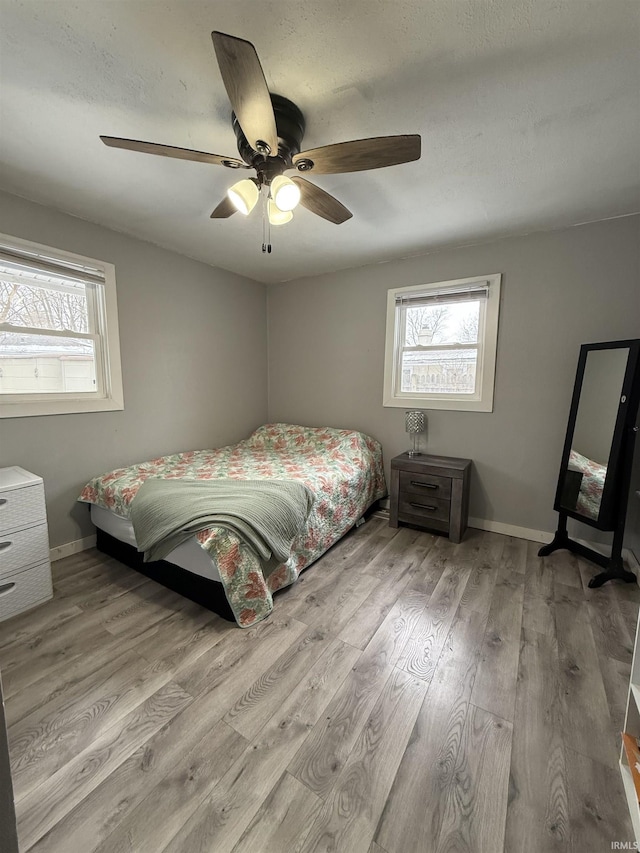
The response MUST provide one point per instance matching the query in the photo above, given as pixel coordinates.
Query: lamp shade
(277, 216)
(414, 422)
(284, 192)
(244, 195)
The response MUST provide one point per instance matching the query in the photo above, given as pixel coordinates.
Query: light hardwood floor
(407, 695)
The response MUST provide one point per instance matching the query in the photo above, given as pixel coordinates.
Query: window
(441, 345)
(59, 346)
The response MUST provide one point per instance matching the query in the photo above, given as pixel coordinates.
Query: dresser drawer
(21, 590)
(425, 507)
(425, 485)
(21, 507)
(23, 548)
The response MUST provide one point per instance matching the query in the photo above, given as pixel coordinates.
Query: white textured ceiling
(529, 113)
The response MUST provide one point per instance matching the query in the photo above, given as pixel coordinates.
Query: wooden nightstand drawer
(425, 485)
(424, 506)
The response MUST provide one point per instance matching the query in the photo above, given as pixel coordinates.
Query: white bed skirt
(189, 555)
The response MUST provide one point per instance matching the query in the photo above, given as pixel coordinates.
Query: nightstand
(430, 492)
(25, 570)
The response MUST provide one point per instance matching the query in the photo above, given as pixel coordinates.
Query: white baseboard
(511, 530)
(70, 548)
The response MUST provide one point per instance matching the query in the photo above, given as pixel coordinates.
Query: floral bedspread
(591, 485)
(342, 468)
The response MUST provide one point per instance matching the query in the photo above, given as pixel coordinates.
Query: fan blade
(225, 209)
(320, 202)
(172, 151)
(248, 92)
(359, 154)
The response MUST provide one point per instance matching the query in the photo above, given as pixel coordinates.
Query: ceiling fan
(269, 130)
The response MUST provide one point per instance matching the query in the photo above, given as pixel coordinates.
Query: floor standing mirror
(595, 471)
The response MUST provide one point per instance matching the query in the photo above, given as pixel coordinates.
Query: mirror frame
(625, 419)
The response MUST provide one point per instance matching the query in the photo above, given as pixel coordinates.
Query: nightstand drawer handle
(6, 544)
(3, 501)
(424, 506)
(424, 485)
(6, 588)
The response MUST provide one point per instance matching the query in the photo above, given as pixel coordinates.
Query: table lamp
(414, 424)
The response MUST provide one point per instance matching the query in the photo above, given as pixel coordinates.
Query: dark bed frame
(203, 591)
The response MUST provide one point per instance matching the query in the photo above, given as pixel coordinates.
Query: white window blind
(59, 348)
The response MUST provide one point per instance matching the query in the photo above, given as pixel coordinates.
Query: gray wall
(193, 345)
(559, 289)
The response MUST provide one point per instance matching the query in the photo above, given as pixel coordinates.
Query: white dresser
(25, 570)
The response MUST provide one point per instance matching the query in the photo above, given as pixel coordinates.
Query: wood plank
(484, 571)
(421, 580)
(144, 606)
(613, 633)
(537, 818)
(586, 722)
(477, 797)
(67, 683)
(222, 817)
(19, 630)
(283, 820)
(615, 677)
(564, 566)
(176, 637)
(42, 745)
(514, 555)
(320, 759)
(597, 805)
(407, 548)
(539, 574)
(350, 814)
(420, 654)
(189, 745)
(345, 557)
(263, 698)
(495, 684)
(148, 827)
(23, 664)
(539, 614)
(49, 802)
(237, 660)
(415, 808)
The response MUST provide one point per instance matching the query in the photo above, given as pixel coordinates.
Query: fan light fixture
(277, 216)
(285, 193)
(244, 195)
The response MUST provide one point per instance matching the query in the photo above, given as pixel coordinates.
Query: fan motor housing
(290, 126)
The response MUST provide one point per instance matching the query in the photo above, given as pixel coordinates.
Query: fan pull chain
(266, 227)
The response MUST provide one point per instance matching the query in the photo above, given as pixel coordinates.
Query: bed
(342, 468)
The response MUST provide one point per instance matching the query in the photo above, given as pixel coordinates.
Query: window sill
(438, 403)
(59, 407)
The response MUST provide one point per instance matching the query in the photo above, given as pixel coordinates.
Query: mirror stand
(613, 565)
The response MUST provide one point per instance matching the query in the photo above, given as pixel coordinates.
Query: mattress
(190, 555)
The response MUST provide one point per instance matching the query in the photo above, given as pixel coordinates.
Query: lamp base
(413, 453)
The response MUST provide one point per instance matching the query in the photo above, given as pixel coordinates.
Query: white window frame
(103, 313)
(482, 399)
